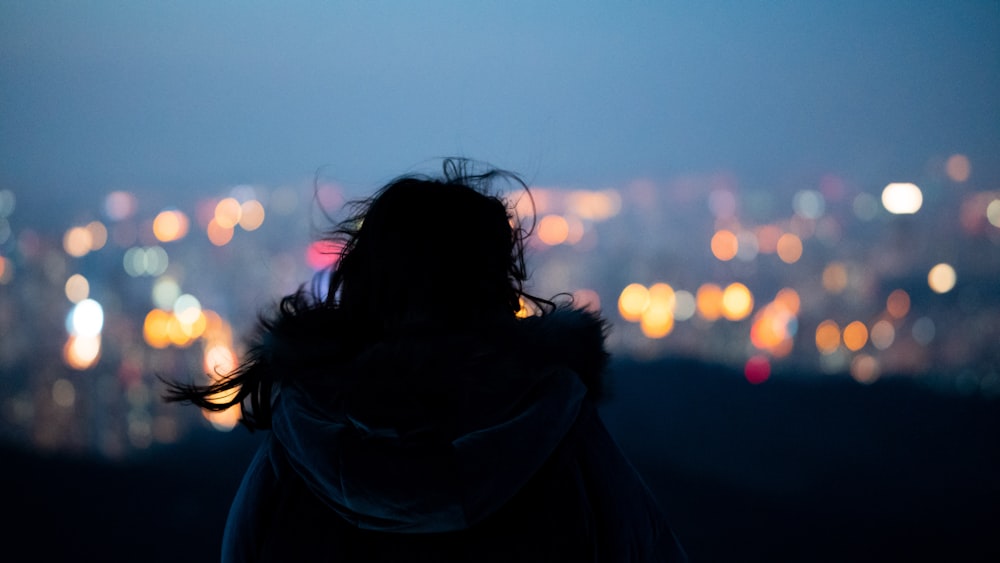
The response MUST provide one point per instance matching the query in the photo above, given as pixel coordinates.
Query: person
(417, 414)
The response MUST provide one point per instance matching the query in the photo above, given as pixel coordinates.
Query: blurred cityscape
(826, 276)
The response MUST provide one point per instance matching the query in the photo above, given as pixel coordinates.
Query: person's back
(416, 416)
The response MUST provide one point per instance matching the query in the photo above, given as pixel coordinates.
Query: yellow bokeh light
(941, 278)
(827, 337)
(82, 352)
(901, 198)
(835, 277)
(725, 245)
(251, 215)
(709, 301)
(228, 212)
(553, 229)
(737, 302)
(154, 328)
(634, 299)
(657, 321)
(958, 167)
(898, 303)
(170, 225)
(218, 234)
(855, 336)
(77, 288)
(98, 235)
(77, 241)
(789, 248)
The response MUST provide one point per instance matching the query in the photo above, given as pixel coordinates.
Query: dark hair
(446, 250)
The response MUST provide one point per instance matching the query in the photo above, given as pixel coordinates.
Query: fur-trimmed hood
(436, 428)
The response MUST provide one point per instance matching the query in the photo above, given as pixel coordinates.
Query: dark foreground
(796, 469)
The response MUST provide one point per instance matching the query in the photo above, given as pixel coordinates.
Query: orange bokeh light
(709, 301)
(170, 225)
(218, 234)
(855, 336)
(228, 212)
(553, 230)
(827, 337)
(725, 245)
(789, 248)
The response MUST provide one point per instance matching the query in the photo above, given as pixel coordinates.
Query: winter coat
(480, 444)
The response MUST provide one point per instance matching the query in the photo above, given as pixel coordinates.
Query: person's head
(442, 248)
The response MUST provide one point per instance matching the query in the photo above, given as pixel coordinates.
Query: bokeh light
(227, 213)
(835, 277)
(725, 245)
(632, 301)
(941, 278)
(757, 369)
(553, 230)
(251, 215)
(898, 303)
(855, 336)
(82, 352)
(77, 288)
(218, 234)
(865, 369)
(77, 242)
(170, 225)
(154, 328)
(883, 334)
(827, 337)
(993, 213)
(709, 301)
(166, 290)
(685, 305)
(63, 393)
(958, 167)
(789, 248)
(809, 204)
(657, 320)
(98, 235)
(120, 205)
(737, 302)
(86, 319)
(900, 198)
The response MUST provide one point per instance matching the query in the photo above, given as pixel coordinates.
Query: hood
(435, 429)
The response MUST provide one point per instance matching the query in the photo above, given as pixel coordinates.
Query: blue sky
(190, 96)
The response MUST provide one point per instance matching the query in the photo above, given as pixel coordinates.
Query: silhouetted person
(416, 417)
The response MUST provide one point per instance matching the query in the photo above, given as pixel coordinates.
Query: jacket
(438, 444)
